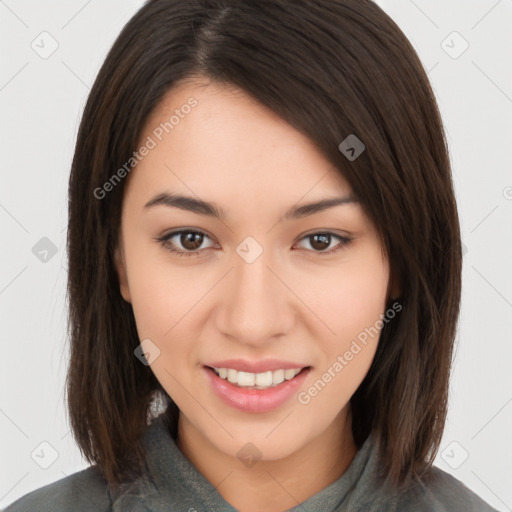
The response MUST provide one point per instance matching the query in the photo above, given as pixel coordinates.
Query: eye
(187, 241)
(323, 240)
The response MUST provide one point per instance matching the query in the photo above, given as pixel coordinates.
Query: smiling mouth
(263, 380)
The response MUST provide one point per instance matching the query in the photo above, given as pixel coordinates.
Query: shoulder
(82, 491)
(439, 491)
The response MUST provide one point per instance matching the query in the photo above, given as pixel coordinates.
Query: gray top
(172, 483)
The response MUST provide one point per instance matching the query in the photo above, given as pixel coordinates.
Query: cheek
(162, 294)
(334, 385)
(348, 298)
(351, 303)
(167, 301)
(163, 301)
(352, 310)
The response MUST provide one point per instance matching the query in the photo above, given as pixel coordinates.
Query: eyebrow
(201, 207)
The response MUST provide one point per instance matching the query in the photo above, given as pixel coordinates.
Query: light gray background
(41, 100)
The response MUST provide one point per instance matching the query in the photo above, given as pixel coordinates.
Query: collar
(171, 481)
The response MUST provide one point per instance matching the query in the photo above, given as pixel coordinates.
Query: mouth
(255, 392)
(261, 380)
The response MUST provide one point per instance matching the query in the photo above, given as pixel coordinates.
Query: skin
(291, 303)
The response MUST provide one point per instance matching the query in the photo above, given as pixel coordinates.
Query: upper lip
(261, 366)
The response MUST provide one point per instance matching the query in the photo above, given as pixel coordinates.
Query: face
(243, 283)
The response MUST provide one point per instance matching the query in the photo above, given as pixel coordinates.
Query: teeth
(256, 380)
(246, 379)
(232, 376)
(289, 374)
(263, 379)
(277, 376)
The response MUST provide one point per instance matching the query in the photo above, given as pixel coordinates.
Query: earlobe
(121, 273)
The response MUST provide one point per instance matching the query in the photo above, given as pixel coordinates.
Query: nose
(256, 305)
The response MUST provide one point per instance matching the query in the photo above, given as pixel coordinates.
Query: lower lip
(255, 400)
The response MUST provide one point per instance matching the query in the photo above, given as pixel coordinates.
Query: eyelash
(164, 239)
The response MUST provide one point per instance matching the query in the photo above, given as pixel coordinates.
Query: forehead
(215, 140)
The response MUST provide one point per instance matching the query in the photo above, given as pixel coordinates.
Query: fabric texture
(172, 483)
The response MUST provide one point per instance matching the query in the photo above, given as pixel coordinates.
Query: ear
(119, 261)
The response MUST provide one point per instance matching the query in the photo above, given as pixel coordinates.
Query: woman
(264, 267)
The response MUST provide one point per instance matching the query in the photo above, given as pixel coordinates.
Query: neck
(272, 485)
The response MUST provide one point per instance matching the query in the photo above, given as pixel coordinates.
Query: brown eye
(185, 242)
(190, 240)
(321, 243)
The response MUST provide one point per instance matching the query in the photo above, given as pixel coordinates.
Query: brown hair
(330, 68)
